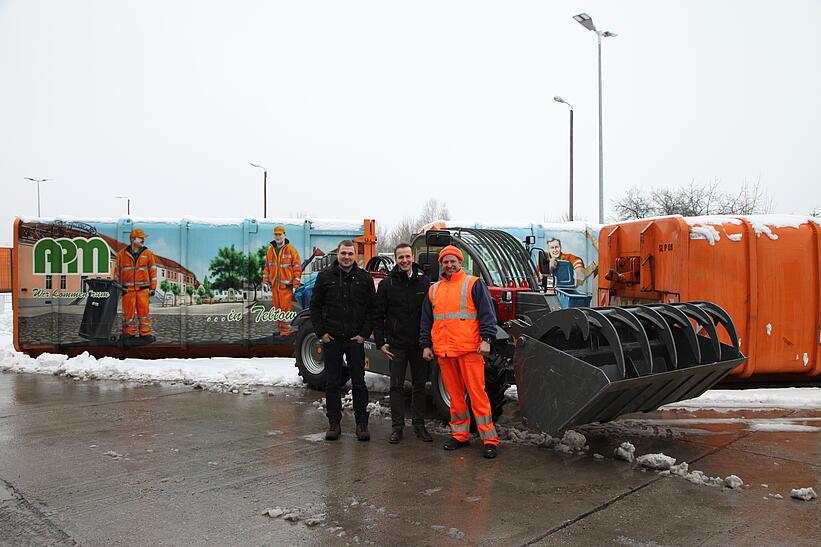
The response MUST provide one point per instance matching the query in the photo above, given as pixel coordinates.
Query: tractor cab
(496, 257)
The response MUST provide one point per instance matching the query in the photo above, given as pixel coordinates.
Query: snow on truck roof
(316, 223)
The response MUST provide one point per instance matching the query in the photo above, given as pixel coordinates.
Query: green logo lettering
(70, 256)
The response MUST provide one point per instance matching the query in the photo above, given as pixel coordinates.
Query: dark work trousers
(355, 357)
(419, 375)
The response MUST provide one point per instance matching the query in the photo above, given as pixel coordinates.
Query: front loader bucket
(577, 366)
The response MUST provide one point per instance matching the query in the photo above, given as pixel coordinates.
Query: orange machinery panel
(5, 269)
(763, 270)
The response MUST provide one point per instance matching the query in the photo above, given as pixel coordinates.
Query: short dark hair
(346, 243)
(556, 239)
(401, 246)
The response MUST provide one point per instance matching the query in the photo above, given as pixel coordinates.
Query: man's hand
(484, 348)
(386, 350)
(427, 354)
(358, 339)
(553, 263)
(327, 338)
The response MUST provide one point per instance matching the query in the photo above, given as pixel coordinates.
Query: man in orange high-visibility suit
(136, 270)
(283, 272)
(459, 322)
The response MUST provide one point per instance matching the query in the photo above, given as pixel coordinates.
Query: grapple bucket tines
(584, 365)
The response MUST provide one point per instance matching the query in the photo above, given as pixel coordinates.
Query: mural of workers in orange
(282, 272)
(136, 270)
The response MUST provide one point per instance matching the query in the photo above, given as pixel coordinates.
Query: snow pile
(572, 442)
(805, 494)
(698, 477)
(734, 482)
(307, 515)
(625, 451)
(656, 461)
(221, 371)
(215, 374)
(517, 436)
(727, 399)
(680, 470)
(705, 232)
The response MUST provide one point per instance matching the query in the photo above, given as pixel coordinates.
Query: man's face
(137, 242)
(346, 256)
(404, 258)
(279, 238)
(451, 264)
(554, 249)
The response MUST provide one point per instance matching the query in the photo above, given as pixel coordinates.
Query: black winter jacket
(342, 302)
(399, 308)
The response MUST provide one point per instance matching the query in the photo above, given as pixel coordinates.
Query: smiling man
(396, 333)
(342, 315)
(458, 323)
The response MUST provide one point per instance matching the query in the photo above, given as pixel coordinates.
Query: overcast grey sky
(368, 108)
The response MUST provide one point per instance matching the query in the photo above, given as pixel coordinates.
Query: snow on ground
(275, 371)
(739, 399)
(743, 399)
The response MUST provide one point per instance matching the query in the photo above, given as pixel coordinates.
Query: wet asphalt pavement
(107, 463)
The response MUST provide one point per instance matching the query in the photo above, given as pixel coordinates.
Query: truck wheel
(309, 358)
(495, 387)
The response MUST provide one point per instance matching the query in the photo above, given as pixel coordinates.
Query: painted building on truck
(207, 280)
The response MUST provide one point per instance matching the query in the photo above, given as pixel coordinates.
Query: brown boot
(396, 436)
(422, 433)
(362, 432)
(334, 431)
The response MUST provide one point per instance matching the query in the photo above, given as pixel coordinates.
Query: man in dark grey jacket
(396, 332)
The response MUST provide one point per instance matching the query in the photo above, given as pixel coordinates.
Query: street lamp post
(264, 189)
(587, 22)
(37, 182)
(570, 207)
(128, 203)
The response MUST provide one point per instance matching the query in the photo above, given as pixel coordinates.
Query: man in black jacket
(396, 332)
(342, 315)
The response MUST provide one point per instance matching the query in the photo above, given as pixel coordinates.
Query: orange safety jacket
(136, 273)
(574, 260)
(455, 329)
(282, 269)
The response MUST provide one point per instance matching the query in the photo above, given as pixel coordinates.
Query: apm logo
(71, 256)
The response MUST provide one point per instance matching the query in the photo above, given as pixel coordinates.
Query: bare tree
(634, 204)
(406, 228)
(748, 201)
(691, 200)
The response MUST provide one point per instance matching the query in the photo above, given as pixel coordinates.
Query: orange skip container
(764, 270)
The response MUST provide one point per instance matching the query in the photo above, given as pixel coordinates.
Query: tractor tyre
(310, 360)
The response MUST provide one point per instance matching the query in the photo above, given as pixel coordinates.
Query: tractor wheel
(309, 358)
(495, 387)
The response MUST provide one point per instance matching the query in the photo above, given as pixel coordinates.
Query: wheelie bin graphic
(101, 310)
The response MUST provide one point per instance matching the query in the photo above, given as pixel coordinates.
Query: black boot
(453, 444)
(334, 431)
(362, 432)
(490, 451)
(396, 436)
(422, 433)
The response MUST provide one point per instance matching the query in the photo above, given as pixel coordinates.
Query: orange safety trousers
(281, 298)
(136, 313)
(467, 372)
